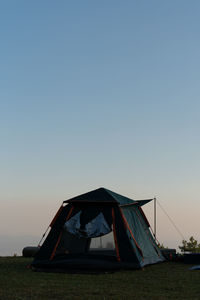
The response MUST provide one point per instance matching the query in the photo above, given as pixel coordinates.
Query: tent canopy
(105, 196)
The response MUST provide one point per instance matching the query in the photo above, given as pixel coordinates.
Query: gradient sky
(99, 93)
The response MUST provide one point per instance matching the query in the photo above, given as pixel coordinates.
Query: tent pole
(154, 217)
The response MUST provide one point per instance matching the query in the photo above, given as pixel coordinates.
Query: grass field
(162, 281)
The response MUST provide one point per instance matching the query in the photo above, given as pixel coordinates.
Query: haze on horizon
(98, 94)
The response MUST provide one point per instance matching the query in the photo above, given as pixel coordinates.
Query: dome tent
(95, 214)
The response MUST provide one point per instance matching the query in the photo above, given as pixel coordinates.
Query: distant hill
(10, 245)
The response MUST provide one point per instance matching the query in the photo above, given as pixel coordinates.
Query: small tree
(190, 246)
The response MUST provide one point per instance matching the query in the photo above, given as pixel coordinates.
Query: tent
(95, 214)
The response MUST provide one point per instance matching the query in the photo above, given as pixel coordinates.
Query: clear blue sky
(99, 93)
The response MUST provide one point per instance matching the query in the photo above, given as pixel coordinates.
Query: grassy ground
(162, 281)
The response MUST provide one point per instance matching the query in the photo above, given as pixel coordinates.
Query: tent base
(79, 262)
(92, 261)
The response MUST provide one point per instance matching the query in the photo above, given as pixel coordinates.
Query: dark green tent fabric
(135, 246)
(142, 235)
(101, 195)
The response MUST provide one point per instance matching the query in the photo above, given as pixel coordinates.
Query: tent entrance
(87, 235)
(91, 253)
(103, 245)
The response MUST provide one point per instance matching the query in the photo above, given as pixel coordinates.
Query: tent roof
(105, 196)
